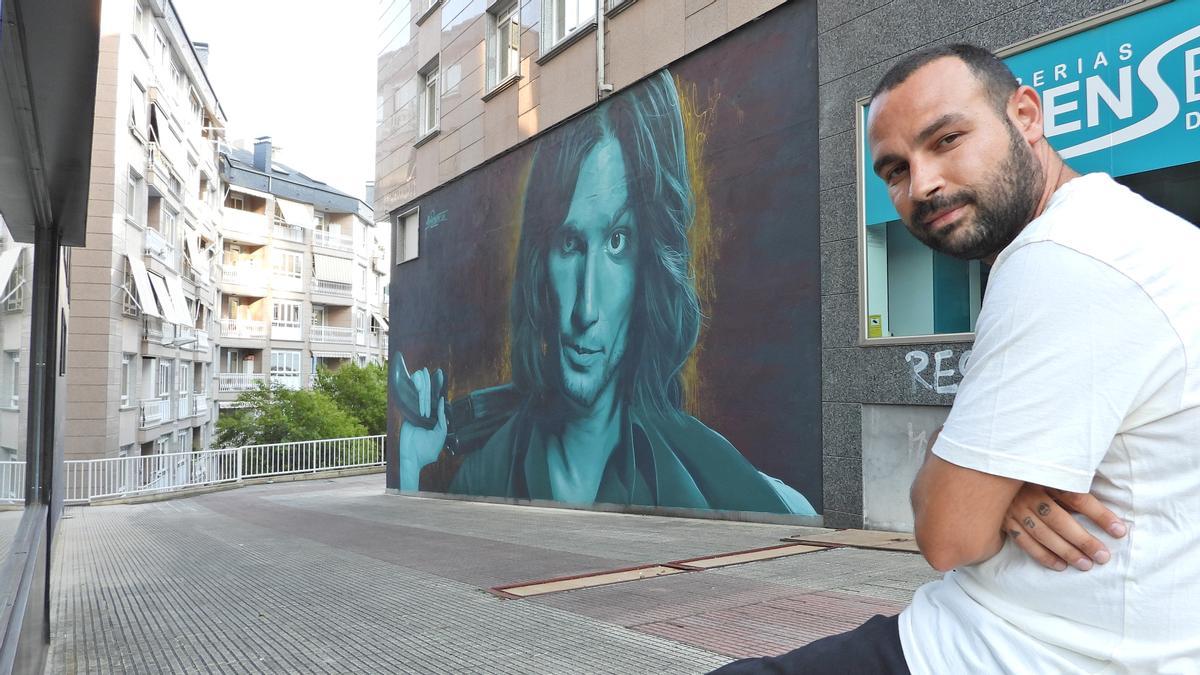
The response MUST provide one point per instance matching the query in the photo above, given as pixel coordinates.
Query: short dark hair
(647, 121)
(997, 80)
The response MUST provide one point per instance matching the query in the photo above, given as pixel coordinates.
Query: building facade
(470, 97)
(141, 354)
(301, 277)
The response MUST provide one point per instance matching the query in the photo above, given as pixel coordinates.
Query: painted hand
(1039, 521)
(420, 447)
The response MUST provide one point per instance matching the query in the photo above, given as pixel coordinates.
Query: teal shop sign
(1122, 97)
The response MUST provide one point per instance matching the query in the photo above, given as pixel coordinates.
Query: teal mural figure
(603, 315)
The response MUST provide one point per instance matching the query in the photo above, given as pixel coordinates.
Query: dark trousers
(873, 647)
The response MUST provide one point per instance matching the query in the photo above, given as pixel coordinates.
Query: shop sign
(1122, 97)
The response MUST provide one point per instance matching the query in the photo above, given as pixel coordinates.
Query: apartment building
(302, 276)
(141, 352)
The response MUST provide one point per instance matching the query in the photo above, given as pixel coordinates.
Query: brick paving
(335, 576)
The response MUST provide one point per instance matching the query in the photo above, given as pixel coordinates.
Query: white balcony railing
(289, 381)
(331, 334)
(183, 407)
(157, 247)
(288, 232)
(202, 344)
(246, 223)
(373, 340)
(334, 240)
(199, 404)
(244, 275)
(286, 330)
(235, 382)
(155, 411)
(243, 328)
(333, 287)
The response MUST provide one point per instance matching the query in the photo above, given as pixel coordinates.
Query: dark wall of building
(661, 247)
(857, 43)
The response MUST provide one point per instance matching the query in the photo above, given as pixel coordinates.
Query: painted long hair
(646, 120)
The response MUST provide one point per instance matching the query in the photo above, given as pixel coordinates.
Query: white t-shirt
(1085, 376)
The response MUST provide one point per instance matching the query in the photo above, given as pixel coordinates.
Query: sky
(299, 71)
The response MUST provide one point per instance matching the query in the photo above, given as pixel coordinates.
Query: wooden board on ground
(872, 539)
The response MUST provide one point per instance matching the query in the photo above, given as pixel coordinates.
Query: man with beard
(1085, 378)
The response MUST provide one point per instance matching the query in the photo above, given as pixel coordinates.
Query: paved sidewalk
(335, 576)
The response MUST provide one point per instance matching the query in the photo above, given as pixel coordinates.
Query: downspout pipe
(602, 88)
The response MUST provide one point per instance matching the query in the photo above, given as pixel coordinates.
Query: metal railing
(239, 381)
(334, 240)
(244, 275)
(318, 333)
(95, 479)
(333, 287)
(155, 411)
(183, 407)
(243, 328)
(12, 482)
(199, 404)
(288, 232)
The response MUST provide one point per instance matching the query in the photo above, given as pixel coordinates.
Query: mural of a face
(592, 274)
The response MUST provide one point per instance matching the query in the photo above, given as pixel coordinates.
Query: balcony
(155, 411)
(286, 330)
(245, 226)
(336, 334)
(285, 232)
(338, 288)
(157, 247)
(373, 339)
(183, 407)
(289, 381)
(251, 276)
(199, 404)
(333, 240)
(202, 344)
(236, 382)
(242, 328)
(157, 331)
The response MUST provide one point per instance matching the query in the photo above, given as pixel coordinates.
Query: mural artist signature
(942, 379)
(436, 218)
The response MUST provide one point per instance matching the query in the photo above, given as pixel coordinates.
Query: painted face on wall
(593, 275)
(960, 174)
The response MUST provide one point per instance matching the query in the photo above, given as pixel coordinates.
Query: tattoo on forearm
(1043, 509)
(1029, 522)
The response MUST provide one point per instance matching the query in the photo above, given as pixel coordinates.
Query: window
(504, 44)
(129, 303)
(564, 17)
(407, 237)
(135, 199)
(318, 315)
(162, 445)
(285, 313)
(137, 111)
(285, 363)
(162, 386)
(236, 202)
(430, 105)
(127, 383)
(183, 379)
(319, 221)
(13, 293)
(286, 263)
(10, 376)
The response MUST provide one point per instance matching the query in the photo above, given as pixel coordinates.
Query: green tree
(360, 391)
(275, 414)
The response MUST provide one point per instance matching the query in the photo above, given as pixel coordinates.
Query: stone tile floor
(335, 576)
